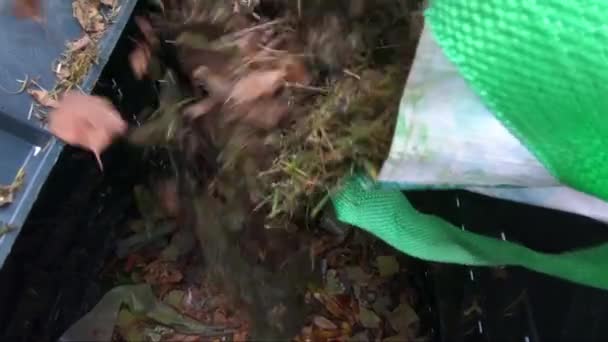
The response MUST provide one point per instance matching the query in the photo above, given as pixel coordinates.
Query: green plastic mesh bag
(389, 216)
(542, 68)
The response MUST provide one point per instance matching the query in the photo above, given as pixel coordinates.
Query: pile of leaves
(265, 107)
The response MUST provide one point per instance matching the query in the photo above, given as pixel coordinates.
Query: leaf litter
(265, 107)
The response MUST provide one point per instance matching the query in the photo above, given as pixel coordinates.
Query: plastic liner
(446, 138)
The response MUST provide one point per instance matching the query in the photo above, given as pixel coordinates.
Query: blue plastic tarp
(30, 49)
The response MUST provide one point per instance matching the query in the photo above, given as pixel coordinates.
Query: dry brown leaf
(257, 84)
(43, 97)
(80, 43)
(90, 122)
(147, 30)
(140, 60)
(249, 43)
(201, 107)
(191, 59)
(265, 113)
(31, 9)
(295, 71)
(217, 85)
(88, 15)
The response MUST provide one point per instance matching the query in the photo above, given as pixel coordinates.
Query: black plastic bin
(514, 304)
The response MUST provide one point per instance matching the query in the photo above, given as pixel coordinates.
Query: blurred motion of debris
(87, 121)
(265, 107)
(94, 16)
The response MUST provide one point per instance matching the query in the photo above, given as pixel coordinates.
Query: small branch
(305, 87)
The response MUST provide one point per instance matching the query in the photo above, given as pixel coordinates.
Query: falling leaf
(295, 71)
(201, 107)
(146, 29)
(43, 97)
(368, 318)
(80, 43)
(191, 59)
(31, 9)
(90, 122)
(217, 85)
(140, 60)
(266, 113)
(324, 323)
(257, 84)
(387, 265)
(249, 43)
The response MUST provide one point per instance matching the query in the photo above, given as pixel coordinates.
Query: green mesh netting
(542, 69)
(388, 215)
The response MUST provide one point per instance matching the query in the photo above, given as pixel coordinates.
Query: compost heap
(265, 107)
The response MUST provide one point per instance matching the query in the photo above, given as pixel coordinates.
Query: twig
(29, 114)
(37, 85)
(243, 32)
(390, 46)
(301, 86)
(350, 73)
(299, 8)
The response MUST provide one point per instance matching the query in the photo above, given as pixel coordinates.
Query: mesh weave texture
(389, 216)
(541, 66)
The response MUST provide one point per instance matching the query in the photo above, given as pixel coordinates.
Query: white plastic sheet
(446, 138)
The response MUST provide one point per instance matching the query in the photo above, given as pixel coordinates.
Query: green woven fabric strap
(542, 69)
(389, 216)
